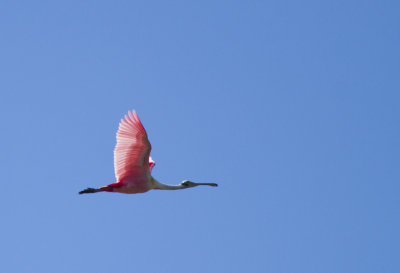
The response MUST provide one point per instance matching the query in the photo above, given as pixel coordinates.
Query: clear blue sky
(292, 107)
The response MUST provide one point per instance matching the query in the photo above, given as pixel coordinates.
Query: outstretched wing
(132, 152)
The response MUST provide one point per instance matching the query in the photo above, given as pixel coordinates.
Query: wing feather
(132, 152)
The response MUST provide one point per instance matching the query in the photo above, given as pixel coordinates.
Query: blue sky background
(291, 106)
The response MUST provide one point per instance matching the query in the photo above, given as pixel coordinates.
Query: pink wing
(132, 152)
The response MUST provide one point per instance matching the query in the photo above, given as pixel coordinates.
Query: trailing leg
(92, 190)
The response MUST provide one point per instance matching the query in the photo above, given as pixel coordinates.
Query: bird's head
(189, 184)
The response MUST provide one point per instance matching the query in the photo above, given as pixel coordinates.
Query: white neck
(160, 186)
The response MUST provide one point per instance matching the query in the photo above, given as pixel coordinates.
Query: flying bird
(133, 164)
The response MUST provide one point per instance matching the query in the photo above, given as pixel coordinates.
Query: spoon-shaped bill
(206, 184)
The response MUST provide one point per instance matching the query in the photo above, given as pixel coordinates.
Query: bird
(133, 163)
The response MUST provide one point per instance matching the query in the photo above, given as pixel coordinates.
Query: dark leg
(92, 190)
(88, 190)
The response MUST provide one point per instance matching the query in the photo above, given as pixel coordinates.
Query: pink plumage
(131, 156)
(132, 152)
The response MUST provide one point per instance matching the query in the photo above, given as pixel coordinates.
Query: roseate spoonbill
(133, 164)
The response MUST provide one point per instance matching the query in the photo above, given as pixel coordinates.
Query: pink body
(132, 184)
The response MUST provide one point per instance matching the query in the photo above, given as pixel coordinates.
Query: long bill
(206, 184)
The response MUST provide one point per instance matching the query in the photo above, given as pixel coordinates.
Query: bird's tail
(92, 190)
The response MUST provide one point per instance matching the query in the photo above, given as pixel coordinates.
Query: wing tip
(131, 117)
